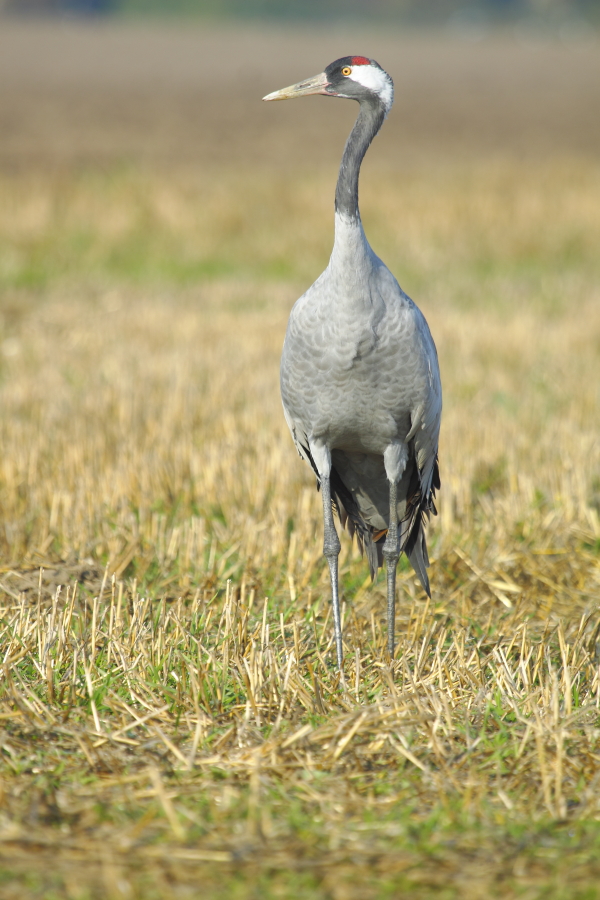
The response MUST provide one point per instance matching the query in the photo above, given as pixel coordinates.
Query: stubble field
(172, 718)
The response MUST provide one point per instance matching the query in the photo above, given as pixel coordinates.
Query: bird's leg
(331, 551)
(391, 554)
(331, 541)
(394, 459)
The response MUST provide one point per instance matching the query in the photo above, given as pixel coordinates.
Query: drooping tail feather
(351, 518)
(412, 526)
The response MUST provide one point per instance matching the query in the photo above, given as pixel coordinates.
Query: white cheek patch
(375, 80)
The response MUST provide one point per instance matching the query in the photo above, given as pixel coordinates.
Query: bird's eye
(346, 70)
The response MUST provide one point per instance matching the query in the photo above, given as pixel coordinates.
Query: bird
(359, 377)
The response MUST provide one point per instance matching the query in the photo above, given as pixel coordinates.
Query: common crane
(360, 380)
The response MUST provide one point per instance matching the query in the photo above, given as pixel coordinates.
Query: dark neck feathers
(369, 121)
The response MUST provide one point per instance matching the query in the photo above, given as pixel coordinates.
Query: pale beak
(314, 85)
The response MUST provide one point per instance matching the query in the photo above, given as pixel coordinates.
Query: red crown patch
(360, 61)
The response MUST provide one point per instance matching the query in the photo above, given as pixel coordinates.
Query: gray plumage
(360, 381)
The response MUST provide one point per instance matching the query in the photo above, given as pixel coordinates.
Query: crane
(360, 380)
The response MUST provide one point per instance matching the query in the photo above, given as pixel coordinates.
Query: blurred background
(99, 80)
(546, 12)
(157, 221)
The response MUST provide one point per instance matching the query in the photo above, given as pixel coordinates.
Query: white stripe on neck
(376, 80)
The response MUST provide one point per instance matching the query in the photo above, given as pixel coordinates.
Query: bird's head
(351, 77)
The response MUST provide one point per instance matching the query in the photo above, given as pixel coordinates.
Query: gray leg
(331, 551)
(391, 554)
(331, 542)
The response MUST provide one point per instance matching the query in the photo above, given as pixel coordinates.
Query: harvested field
(171, 712)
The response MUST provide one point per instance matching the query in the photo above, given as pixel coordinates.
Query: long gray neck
(368, 123)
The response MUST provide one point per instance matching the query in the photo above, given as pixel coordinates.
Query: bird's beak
(314, 85)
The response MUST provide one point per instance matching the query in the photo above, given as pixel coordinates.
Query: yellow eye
(346, 70)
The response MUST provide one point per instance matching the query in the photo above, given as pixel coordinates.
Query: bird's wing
(301, 443)
(425, 477)
(425, 389)
(426, 417)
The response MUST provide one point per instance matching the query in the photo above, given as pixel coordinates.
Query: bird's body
(360, 381)
(358, 368)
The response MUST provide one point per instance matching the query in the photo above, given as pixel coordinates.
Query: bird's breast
(350, 380)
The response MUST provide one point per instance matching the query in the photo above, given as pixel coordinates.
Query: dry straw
(169, 699)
